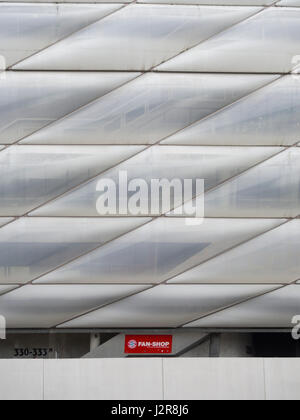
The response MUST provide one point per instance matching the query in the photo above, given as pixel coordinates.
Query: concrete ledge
(21, 379)
(150, 379)
(214, 379)
(103, 379)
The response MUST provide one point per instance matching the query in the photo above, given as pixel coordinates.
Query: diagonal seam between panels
(13, 287)
(261, 9)
(230, 249)
(265, 6)
(286, 220)
(138, 227)
(241, 302)
(122, 235)
(147, 147)
(95, 100)
(257, 12)
(90, 251)
(145, 290)
(61, 118)
(170, 285)
(233, 305)
(224, 308)
(153, 218)
(163, 282)
(105, 95)
(76, 258)
(133, 230)
(157, 217)
(141, 72)
(126, 159)
(221, 184)
(122, 6)
(98, 307)
(283, 147)
(188, 322)
(221, 110)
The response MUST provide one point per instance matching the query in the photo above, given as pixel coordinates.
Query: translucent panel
(5, 289)
(270, 258)
(296, 70)
(214, 2)
(158, 251)
(165, 306)
(5, 220)
(266, 43)
(137, 37)
(272, 310)
(213, 164)
(267, 117)
(150, 108)
(45, 306)
(293, 3)
(32, 175)
(271, 189)
(30, 247)
(22, 34)
(31, 100)
(66, 1)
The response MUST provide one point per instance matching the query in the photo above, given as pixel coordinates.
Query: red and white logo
(132, 344)
(148, 344)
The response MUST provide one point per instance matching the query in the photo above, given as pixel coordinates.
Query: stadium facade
(181, 89)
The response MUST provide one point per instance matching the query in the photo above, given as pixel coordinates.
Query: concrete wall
(155, 378)
(59, 346)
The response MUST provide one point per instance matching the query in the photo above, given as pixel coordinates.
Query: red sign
(148, 344)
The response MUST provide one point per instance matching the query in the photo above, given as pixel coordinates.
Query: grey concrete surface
(210, 379)
(21, 380)
(58, 346)
(155, 378)
(282, 379)
(103, 379)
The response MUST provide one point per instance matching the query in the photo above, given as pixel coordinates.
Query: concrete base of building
(151, 379)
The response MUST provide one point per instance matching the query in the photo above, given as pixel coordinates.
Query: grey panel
(273, 310)
(292, 3)
(30, 247)
(137, 37)
(266, 43)
(271, 189)
(271, 258)
(32, 175)
(67, 1)
(212, 164)
(165, 306)
(31, 100)
(46, 306)
(5, 220)
(158, 251)
(28, 28)
(267, 117)
(5, 289)
(150, 108)
(214, 2)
